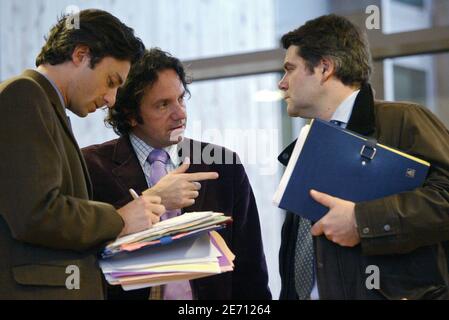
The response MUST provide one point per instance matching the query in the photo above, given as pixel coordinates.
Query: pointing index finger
(200, 176)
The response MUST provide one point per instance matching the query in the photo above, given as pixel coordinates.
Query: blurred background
(232, 50)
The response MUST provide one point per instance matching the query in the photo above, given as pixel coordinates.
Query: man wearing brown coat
(327, 69)
(49, 229)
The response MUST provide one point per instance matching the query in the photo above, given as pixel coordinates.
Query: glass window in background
(416, 3)
(405, 84)
(422, 79)
(244, 114)
(396, 15)
(409, 15)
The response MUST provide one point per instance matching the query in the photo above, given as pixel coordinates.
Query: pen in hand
(133, 194)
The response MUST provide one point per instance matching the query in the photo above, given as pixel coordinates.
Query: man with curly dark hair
(150, 117)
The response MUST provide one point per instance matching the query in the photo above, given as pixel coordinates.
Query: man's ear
(327, 69)
(80, 53)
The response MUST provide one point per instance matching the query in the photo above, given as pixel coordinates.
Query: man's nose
(282, 85)
(110, 97)
(180, 112)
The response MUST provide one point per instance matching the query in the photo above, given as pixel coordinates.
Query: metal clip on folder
(368, 151)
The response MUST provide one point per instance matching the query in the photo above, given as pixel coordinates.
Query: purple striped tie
(158, 159)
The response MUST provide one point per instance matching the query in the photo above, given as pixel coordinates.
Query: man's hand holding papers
(141, 214)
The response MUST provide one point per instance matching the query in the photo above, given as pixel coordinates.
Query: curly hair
(104, 35)
(143, 75)
(333, 37)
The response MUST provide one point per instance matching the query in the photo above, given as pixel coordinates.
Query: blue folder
(346, 165)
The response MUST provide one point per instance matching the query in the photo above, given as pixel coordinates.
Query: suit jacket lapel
(128, 171)
(188, 144)
(60, 112)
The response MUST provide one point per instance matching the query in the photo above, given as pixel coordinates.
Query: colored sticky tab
(166, 240)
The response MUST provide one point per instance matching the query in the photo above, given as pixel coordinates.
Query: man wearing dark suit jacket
(49, 229)
(150, 114)
(327, 68)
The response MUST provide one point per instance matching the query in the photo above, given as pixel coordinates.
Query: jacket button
(285, 156)
(365, 230)
(387, 227)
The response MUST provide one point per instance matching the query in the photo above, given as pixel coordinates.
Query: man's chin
(293, 113)
(177, 135)
(175, 140)
(79, 113)
(84, 114)
(300, 113)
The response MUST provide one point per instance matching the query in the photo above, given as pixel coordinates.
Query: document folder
(343, 164)
(187, 258)
(189, 224)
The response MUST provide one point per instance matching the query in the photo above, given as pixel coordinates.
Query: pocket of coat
(427, 293)
(40, 275)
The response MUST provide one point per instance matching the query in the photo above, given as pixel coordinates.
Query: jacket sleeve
(32, 203)
(250, 276)
(403, 222)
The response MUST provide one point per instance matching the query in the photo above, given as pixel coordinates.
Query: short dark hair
(337, 38)
(143, 74)
(104, 35)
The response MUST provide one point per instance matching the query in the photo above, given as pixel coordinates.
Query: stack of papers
(194, 251)
(164, 232)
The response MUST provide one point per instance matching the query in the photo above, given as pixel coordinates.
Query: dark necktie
(304, 255)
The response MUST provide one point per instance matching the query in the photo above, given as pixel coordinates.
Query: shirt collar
(55, 87)
(143, 150)
(344, 110)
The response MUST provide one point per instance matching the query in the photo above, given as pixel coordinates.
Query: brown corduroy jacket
(47, 222)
